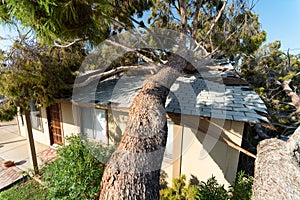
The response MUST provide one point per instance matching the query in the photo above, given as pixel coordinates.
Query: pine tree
(220, 28)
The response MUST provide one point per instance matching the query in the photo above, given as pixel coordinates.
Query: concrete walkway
(15, 147)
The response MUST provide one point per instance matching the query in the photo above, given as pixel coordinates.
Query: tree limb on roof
(87, 79)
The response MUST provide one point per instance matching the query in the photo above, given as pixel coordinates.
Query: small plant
(211, 190)
(76, 174)
(242, 187)
(179, 191)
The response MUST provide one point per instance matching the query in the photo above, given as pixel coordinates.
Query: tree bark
(277, 170)
(294, 97)
(134, 168)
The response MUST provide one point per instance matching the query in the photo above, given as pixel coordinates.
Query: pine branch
(96, 75)
(195, 18)
(145, 58)
(67, 45)
(260, 132)
(216, 20)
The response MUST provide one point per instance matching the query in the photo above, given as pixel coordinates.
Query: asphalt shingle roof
(196, 94)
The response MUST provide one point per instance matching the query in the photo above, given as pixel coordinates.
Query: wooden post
(32, 153)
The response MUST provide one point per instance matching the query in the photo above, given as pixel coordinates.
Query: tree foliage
(69, 20)
(31, 71)
(266, 70)
(224, 28)
(228, 27)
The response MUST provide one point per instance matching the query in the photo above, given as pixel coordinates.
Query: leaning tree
(219, 28)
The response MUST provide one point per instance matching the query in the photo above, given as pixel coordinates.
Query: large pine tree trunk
(134, 168)
(277, 169)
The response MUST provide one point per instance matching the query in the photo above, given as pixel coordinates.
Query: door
(54, 124)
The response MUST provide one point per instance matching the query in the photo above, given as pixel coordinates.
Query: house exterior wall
(194, 151)
(205, 156)
(69, 114)
(42, 135)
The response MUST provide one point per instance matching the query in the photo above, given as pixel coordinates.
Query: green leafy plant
(242, 187)
(211, 190)
(76, 174)
(7, 111)
(179, 191)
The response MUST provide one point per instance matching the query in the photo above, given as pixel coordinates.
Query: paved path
(9, 175)
(15, 147)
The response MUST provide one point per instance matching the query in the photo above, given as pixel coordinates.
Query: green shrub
(76, 174)
(211, 190)
(242, 187)
(179, 191)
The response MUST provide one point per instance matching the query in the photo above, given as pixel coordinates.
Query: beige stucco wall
(70, 119)
(204, 155)
(203, 151)
(41, 136)
(194, 152)
(68, 124)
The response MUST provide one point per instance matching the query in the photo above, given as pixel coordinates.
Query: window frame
(167, 155)
(91, 113)
(34, 108)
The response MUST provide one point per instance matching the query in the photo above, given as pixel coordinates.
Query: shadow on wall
(115, 120)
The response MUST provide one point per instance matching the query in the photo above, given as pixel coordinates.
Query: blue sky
(281, 20)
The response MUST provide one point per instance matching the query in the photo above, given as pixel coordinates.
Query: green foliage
(179, 191)
(236, 32)
(69, 20)
(28, 189)
(242, 187)
(7, 111)
(266, 69)
(211, 190)
(31, 71)
(76, 174)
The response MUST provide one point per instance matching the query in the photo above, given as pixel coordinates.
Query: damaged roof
(216, 92)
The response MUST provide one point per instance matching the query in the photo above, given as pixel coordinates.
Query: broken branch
(100, 76)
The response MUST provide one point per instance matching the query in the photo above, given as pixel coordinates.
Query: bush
(242, 187)
(211, 190)
(76, 174)
(179, 191)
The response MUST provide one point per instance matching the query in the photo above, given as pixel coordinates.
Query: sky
(279, 18)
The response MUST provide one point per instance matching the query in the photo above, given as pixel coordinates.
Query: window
(93, 124)
(35, 116)
(170, 140)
